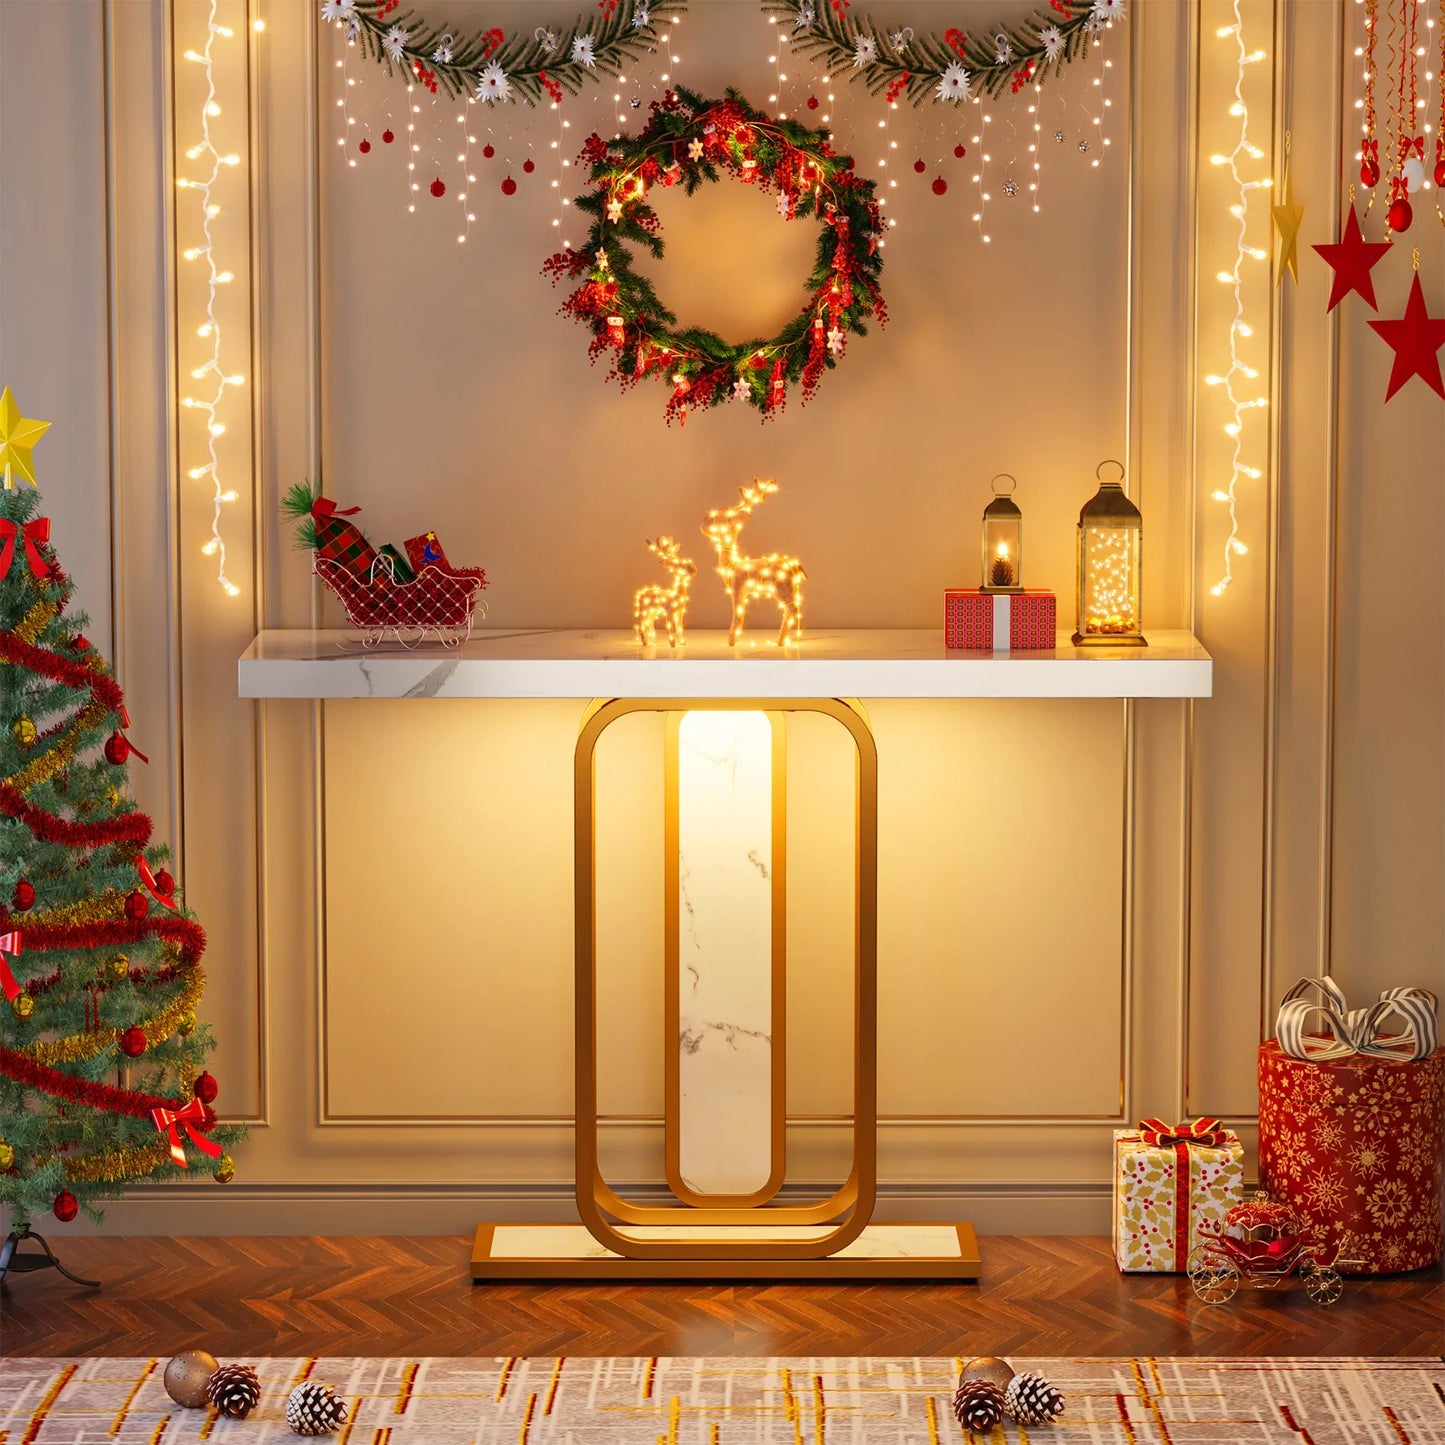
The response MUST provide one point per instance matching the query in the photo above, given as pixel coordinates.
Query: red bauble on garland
(1400, 214)
(529, 166)
(23, 898)
(165, 884)
(438, 188)
(119, 749)
(133, 1042)
(387, 137)
(365, 147)
(65, 1207)
(206, 1088)
(940, 186)
(509, 187)
(137, 905)
(488, 151)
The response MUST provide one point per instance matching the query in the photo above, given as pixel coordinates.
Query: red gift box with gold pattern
(999, 621)
(1354, 1143)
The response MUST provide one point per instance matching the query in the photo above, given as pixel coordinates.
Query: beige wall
(1086, 908)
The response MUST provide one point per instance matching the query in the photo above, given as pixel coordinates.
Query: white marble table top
(553, 662)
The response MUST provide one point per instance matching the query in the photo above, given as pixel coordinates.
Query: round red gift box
(1357, 1145)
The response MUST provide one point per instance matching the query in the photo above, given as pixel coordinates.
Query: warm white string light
(1239, 370)
(983, 161)
(210, 329)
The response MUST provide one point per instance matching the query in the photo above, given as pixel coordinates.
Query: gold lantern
(1003, 540)
(1109, 562)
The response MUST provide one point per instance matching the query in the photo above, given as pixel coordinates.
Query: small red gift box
(999, 621)
(425, 551)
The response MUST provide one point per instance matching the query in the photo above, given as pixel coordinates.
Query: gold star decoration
(18, 434)
(1287, 218)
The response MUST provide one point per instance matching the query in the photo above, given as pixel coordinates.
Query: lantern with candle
(1109, 562)
(1003, 540)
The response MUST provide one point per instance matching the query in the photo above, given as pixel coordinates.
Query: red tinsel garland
(68, 937)
(122, 828)
(82, 1091)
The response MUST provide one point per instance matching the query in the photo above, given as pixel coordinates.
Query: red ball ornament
(1401, 214)
(509, 187)
(439, 188)
(387, 137)
(66, 1206)
(23, 897)
(365, 147)
(205, 1088)
(920, 167)
(812, 102)
(137, 905)
(489, 151)
(165, 883)
(940, 186)
(960, 151)
(133, 1042)
(117, 750)
(1440, 172)
(529, 166)
(1369, 172)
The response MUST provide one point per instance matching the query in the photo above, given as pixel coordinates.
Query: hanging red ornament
(489, 151)
(1440, 172)
(940, 186)
(529, 166)
(23, 898)
(1352, 258)
(960, 151)
(165, 884)
(365, 147)
(1369, 172)
(205, 1088)
(509, 187)
(66, 1206)
(812, 102)
(137, 905)
(920, 166)
(118, 749)
(1416, 339)
(1401, 213)
(438, 188)
(133, 1042)
(387, 136)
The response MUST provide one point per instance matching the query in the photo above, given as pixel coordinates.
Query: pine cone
(234, 1390)
(1031, 1400)
(978, 1404)
(1001, 572)
(314, 1409)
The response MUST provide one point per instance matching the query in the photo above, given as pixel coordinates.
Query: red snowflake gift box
(1351, 1124)
(999, 621)
(1169, 1180)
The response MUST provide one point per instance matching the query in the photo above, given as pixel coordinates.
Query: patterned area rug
(741, 1402)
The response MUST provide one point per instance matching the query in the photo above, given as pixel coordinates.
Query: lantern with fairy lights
(1003, 540)
(1110, 557)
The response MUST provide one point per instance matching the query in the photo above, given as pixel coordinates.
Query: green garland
(687, 141)
(899, 62)
(533, 66)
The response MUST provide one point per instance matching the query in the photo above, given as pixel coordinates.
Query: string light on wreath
(1239, 370)
(212, 407)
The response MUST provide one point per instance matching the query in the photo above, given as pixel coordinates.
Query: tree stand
(13, 1262)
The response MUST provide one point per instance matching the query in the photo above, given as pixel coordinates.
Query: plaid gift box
(425, 551)
(341, 541)
(999, 621)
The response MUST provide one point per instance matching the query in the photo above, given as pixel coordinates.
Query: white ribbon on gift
(1357, 1031)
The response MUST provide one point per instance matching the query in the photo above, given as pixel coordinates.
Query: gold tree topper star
(18, 434)
(1287, 218)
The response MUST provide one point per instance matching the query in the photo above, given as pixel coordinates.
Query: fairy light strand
(1239, 370)
(212, 406)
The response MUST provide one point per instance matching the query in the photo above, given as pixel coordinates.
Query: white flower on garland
(338, 12)
(742, 388)
(805, 16)
(547, 39)
(641, 18)
(1003, 53)
(835, 341)
(865, 51)
(955, 84)
(1107, 10)
(1053, 39)
(443, 53)
(492, 83)
(582, 52)
(901, 39)
(395, 42)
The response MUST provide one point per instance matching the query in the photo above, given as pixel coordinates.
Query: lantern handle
(1110, 462)
(997, 477)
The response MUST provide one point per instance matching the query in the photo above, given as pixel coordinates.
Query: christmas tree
(101, 1052)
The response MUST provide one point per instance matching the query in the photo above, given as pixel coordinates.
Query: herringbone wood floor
(350, 1296)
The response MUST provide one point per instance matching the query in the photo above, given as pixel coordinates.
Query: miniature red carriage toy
(383, 592)
(1262, 1244)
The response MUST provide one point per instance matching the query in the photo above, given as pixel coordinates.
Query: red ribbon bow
(323, 509)
(165, 897)
(1203, 1131)
(188, 1116)
(34, 532)
(9, 943)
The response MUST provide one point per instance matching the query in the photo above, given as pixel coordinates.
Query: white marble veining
(725, 950)
(498, 662)
(572, 1241)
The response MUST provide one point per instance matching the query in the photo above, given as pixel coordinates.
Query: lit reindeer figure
(775, 577)
(655, 603)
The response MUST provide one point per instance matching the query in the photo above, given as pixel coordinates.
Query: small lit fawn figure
(774, 577)
(655, 603)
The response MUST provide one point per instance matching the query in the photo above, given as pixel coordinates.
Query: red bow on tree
(1203, 1131)
(9, 943)
(186, 1117)
(162, 886)
(34, 532)
(323, 508)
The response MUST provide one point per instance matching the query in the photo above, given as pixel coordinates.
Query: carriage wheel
(1324, 1286)
(1214, 1281)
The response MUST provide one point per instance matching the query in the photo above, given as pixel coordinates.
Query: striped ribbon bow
(1203, 1131)
(9, 943)
(187, 1118)
(1357, 1031)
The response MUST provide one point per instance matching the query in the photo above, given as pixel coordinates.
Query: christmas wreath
(687, 141)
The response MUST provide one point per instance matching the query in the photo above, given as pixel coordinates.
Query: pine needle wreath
(687, 141)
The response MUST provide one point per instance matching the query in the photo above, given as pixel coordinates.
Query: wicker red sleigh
(440, 601)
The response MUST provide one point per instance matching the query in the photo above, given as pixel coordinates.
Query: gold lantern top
(1109, 565)
(1003, 540)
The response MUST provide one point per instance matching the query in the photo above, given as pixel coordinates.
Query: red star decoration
(1353, 258)
(1416, 339)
